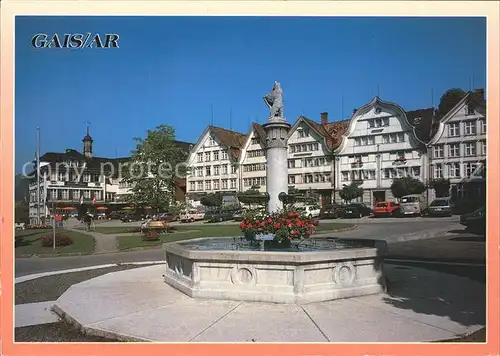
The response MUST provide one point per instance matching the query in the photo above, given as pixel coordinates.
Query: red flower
(263, 223)
(269, 220)
(277, 226)
(256, 221)
(250, 226)
(242, 225)
(288, 221)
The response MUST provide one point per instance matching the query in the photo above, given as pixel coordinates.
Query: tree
(155, 164)
(448, 100)
(252, 196)
(441, 187)
(406, 186)
(350, 192)
(212, 200)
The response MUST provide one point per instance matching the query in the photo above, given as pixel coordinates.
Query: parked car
(115, 215)
(20, 226)
(311, 211)
(129, 217)
(333, 211)
(356, 210)
(440, 207)
(167, 217)
(412, 205)
(476, 221)
(386, 208)
(192, 215)
(238, 215)
(218, 215)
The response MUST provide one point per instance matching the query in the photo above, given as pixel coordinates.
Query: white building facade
(213, 164)
(379, 146)
(459, 146)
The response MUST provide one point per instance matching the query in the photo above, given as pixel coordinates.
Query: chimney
(480, 93)
(324, 118)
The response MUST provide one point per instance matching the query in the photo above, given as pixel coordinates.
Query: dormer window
(301, 133)
(470, 109)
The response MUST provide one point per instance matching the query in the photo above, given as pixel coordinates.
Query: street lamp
(49, 200)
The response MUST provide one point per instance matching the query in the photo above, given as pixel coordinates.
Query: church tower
(87, 144)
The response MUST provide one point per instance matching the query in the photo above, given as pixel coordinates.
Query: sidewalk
(104, 243)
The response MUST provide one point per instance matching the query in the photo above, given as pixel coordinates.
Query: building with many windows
(71, 179)
(381, 144)
(459, 146)
(213, 163)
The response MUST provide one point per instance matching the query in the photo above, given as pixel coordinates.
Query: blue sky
(173, 69)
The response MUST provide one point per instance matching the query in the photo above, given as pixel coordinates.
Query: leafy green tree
(156, 162)
(441, 187)
(405, 186)
(448, 101)
(350, 192)
(252, 196)
(212, 200)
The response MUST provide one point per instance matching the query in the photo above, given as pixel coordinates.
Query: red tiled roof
(233, 140)
(331, 131)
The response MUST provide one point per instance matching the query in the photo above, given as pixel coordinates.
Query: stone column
(277, 161)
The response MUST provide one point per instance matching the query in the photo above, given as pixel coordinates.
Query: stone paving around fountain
(137, 305)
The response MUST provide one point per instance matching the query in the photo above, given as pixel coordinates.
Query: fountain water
(309, 271)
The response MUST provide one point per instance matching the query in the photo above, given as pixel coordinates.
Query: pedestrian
(87, 219)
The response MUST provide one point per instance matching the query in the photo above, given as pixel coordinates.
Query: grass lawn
(31, 244)
(208, 230)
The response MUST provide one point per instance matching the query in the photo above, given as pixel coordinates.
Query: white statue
(274, 101)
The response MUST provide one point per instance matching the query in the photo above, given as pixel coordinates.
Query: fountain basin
(213, 268)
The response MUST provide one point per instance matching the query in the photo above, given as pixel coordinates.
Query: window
(291, 179)
(364, 141)
(316, 178)
(400, 155)
(291, 163)
(394, 137)
(216, 185)
(207, 171)
(216, 155)
(469, 169)
(247, 182)
(255, 140)
(453, 129)
(483, 126)
(345, 176)
(483, 148)
(454, 170)
(470, 148)
(233, 183)
(199, 171)
(86, 194)
(97, 195)
(470, 109)
(224, 184)
(208, 185)
(415, 171)
(216, 170)
(207, 156)
(438, 151)
(200, 156)
(375, 123)
(223, 154)
(369, 175)
(308, 178)
(454, 150)
(86, 178)
(316, 146)
(53, 194)
(234, 168)
(470, 127)
(211, 142)
(65, 194)
(255, 153)
(200, 185)
(224, 169)
(438, 171)
(301, 133)
(292, 149)
(76, 194)
(192, 186)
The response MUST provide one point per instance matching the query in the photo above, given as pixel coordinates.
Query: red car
(386, 208)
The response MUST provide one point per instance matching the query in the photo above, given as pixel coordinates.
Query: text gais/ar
(75, 40)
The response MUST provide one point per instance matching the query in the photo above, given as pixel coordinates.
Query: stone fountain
(234, 269)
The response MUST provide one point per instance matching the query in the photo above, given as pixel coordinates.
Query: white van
(192, 215)
(412, 205)
(311, 211)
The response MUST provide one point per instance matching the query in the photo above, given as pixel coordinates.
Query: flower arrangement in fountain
(284, 226)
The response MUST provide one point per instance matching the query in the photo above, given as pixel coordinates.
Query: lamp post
(49, 200)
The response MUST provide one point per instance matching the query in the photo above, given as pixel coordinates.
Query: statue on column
(274, 101)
